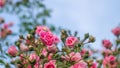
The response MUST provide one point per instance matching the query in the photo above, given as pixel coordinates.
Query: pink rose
(37, 65)
(107, 52)
(29, 66)
(52, 48)
(107, 43)
(94, 65)
(56, 40)
(12, 51)
(2, 3)
(47, 38)
(109, 60)
(5, 26)
(50, 56)
(50, 64)
(81, 64)
(24, 47)
(72, 57)
(84, 51)
(71, 41)
(32, 57)
(116, 31)
(41, 28)
(44, 52)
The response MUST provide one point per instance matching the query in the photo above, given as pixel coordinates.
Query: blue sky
(97, 17)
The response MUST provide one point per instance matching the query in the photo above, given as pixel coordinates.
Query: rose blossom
(52, 48)
(32, 57)
(24, 47)
(109, 60)
(107, 43)
(71, 41)
(84, 51)
(12, 51)
(94, 65)
(116, 31)
(37, 65)
(80, 64)
(47, 38)
(41, 28)
(2, 3)
(50, 64)
(44, 52)
(72, 57)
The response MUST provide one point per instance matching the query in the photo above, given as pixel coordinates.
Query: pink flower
(29, 66)
(5, 26)
(44, 52)
(50, 64)
(107, 52)
(71, 41)
(12, 51)
(47, 38)
(24, 47)
(109, 60)
(94, 65)
(107, 43)
(56, 40)
(37, 65)
(72, 57)
(50, 56)
(32, 57)
(81, 64)
(2, 3)
(52, 48)
(84, 51)
(116, 31)
(41, 28)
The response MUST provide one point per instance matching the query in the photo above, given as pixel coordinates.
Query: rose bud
(32, 57)
(12, 51)
(116, 31)
(24, 47)
(107, 43)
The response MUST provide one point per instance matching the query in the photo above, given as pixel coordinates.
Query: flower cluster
(4, 28)
(39, 49)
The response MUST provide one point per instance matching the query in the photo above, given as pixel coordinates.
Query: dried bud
(29, 36)
(21, 37)
(86, 35)
(91, 39)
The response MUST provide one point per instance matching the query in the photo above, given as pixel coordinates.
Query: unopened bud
(91, 39)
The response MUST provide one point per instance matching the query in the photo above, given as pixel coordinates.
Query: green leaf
(2, 62)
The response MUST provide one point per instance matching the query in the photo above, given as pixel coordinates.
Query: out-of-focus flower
(37, 65)
(72, 57)
(32, 57)
(84, 52)
(109, 60)
(71, 41)
(24, 47)
(12, 51)
(41, 28)
(80, 64)
(50, 64)
(94, 65)
(44, 52)
(116, 31)
(52, 48)
(2, 3)
(107, 43)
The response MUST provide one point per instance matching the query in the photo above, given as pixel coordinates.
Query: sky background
(97, 17)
